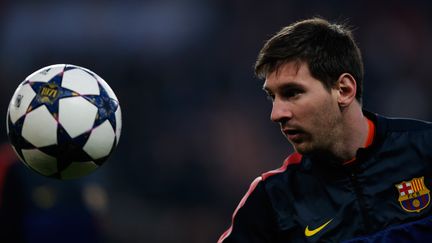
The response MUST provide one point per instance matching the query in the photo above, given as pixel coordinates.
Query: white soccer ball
(64, 121)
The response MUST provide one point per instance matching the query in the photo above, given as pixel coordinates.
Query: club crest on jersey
(413, 195)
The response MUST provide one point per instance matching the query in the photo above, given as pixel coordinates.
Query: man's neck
(353, 135)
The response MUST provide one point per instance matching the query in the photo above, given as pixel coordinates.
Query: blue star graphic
(48, 94)
(106, 107)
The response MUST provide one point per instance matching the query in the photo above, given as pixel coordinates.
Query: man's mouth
(292, 134)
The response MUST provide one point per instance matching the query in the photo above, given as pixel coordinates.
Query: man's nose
(281, 111)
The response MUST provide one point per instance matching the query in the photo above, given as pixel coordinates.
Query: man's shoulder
(397, 124)
(290, 162)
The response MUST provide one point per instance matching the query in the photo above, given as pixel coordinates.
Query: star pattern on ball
(48, 94)
(69, 141)
(67, 149)
(106, 105)
(15, 136)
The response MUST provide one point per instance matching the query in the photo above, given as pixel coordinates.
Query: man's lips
(291, 131)
(292, 134)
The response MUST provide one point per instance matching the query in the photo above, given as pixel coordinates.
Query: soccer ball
(64, 121)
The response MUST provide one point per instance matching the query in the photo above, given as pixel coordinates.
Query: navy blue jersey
(382, 196)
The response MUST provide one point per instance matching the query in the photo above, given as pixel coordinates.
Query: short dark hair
(329, 50)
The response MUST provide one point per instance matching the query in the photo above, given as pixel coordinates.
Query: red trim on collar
(294, 158)
(371, 133)
(369, 139)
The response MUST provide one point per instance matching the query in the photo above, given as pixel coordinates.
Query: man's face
(307, 112)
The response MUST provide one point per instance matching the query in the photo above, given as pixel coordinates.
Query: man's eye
(270, 97)
(292, 93)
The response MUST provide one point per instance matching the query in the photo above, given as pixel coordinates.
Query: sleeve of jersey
(253, 219)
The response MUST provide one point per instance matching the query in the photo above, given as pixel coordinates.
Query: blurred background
(196, 128)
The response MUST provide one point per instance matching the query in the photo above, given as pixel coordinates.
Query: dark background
(196, 128)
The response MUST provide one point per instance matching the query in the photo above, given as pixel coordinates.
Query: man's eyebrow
(284, 87)
(291, 86)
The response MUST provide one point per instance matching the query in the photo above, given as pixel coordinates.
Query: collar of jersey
(369, 139)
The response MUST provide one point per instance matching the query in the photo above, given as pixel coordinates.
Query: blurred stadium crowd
(196, 127)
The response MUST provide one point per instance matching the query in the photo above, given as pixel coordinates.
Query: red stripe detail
(423, 200)
(422, 185)
(371, 133)
(349, 161)
(369, 139)
(7, 158)
(294, 158)
(416, 187)
(413, 186)
(242, 202)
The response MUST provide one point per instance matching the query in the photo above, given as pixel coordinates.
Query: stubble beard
(322, 137)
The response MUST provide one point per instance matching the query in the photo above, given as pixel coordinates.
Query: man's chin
(302, 148)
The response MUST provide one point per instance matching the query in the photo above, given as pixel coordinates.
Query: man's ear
(347, 88)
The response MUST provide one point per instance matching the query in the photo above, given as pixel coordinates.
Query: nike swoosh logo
(310, 233)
